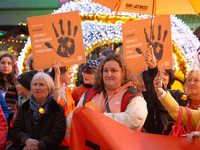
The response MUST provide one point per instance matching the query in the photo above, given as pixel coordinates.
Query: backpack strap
(189, 120)
(127, 97)
(89, 95)
(106, 99)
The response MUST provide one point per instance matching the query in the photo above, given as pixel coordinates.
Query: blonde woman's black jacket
(49, 130)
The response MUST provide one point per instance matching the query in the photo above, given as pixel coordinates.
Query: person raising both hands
(155, 108)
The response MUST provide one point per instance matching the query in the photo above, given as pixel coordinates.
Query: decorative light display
(101, 26)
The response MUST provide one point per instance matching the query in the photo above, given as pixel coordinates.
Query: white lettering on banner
(43, 50)
(136, 45)
(43, 40)
(39, 35)
(166, 63)
(128, 52)
(38, 46)
(129, 35)
(133, 56)
(130, 41)
(37, 25)
(79, 57)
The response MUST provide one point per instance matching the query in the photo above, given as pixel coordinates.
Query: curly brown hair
(126, 71)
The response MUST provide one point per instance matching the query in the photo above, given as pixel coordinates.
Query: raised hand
(150, 57)
(158, 84)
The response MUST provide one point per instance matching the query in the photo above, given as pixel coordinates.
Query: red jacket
(3, 130)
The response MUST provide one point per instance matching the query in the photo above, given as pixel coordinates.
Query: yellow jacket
(173, 108)
(177, 85)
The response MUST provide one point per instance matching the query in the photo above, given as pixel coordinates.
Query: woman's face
(67, 76)
(193, 84)
(21, 90)
(165, 78)
(112, 75)
(88, 76)
(6, 65)
(40, 90)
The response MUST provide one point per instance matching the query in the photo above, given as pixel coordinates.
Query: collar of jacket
(53, 105)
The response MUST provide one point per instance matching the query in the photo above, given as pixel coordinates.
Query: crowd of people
(36, 107)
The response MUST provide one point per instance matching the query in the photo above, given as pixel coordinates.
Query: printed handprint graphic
(157, 45)
(66, 43)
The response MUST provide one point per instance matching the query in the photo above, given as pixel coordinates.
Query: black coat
(158, 116)
(49, 130)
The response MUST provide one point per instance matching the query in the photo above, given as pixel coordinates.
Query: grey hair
(47, 78)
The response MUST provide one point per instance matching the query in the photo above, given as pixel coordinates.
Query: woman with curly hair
(115, 95)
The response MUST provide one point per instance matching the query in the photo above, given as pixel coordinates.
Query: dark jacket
(49, 130)
(161, 115)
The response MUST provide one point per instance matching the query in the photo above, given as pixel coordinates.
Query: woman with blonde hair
(192, 86)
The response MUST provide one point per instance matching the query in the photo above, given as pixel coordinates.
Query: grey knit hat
(92, 64)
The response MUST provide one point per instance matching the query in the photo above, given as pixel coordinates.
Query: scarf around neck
(35, 106)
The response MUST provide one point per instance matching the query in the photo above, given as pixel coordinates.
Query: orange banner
(92, 130)
(136, 37)
(56, 36)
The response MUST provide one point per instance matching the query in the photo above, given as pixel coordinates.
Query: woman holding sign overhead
(158, 116)
(63, 94)
(115, 95)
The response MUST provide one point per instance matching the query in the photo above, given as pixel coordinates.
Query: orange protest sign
(136, 37)
(56, 36)
(92, 130)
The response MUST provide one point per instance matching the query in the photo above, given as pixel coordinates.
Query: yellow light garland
(182, 62)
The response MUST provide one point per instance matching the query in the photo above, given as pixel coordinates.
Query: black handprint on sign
(66, 44)
(157, 46)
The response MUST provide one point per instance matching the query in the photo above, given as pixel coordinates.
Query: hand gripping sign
(56, 36)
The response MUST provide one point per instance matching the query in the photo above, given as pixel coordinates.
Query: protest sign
(56, 36)
(136, 37)
(93, 130)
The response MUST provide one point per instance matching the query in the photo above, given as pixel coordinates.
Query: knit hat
(25, 78)
(92, 64)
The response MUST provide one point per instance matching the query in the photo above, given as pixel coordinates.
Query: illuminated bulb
(41, 110)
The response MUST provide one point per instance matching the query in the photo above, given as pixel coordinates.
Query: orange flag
(92, 130)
